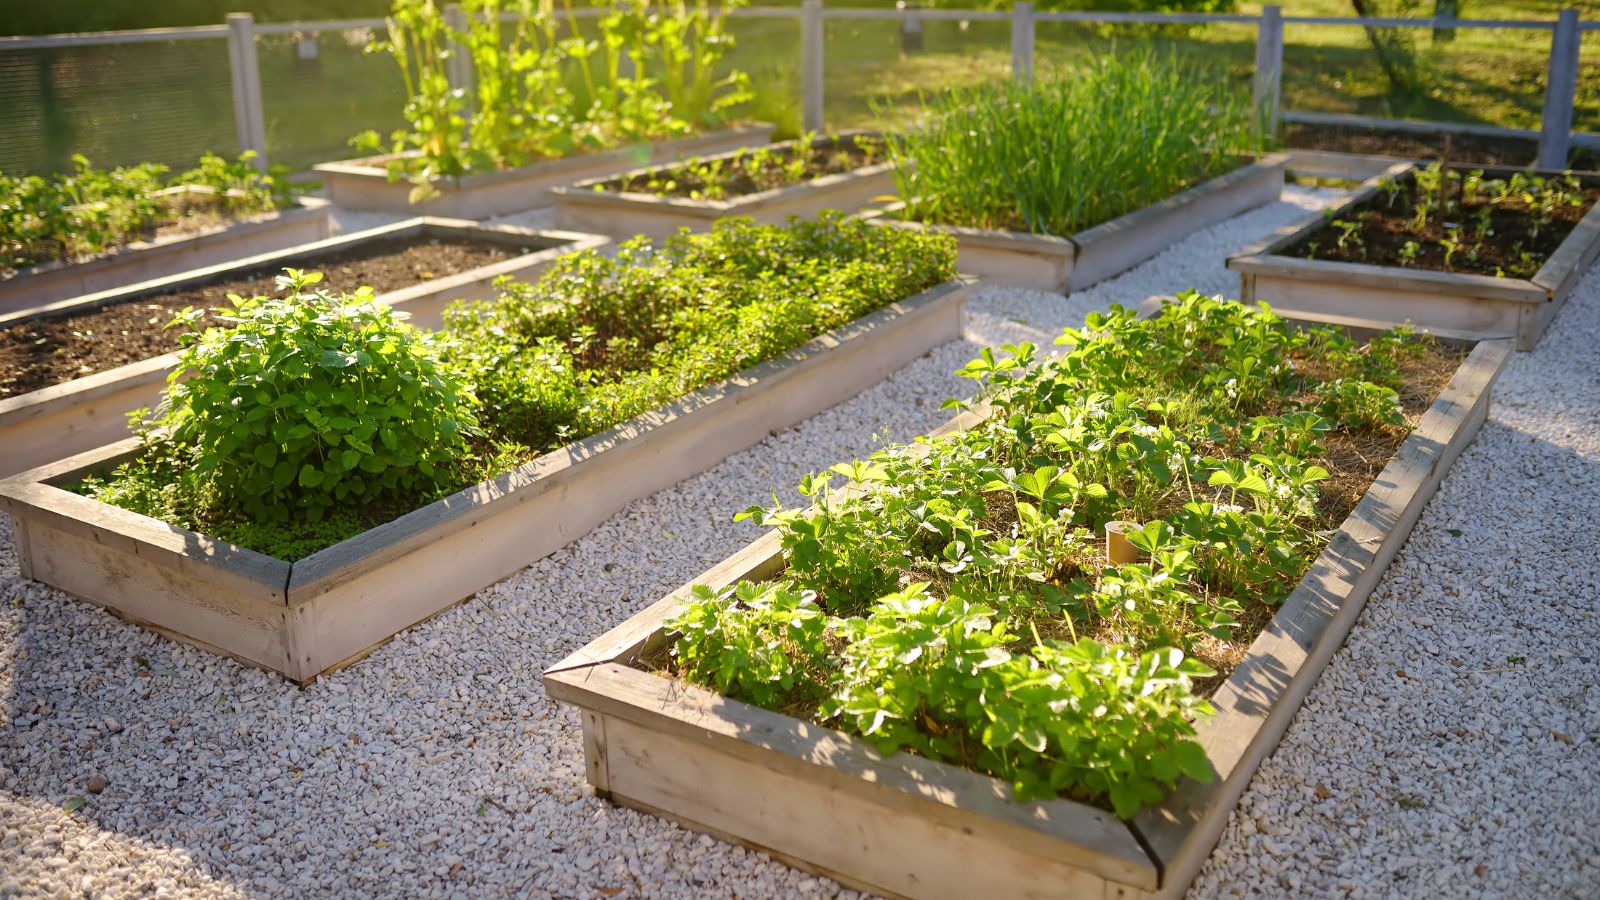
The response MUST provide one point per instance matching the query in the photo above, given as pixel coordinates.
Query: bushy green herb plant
(601, 338)
(309, 402)
(313, 418)
(969, 612)
(546, 84)
(1073, 149)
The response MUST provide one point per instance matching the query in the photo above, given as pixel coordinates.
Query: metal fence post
(811, 56)
(1022, 41)
(1555, 129)
(910, 26)
(1268, 87)
(248, 116)
(459, 68)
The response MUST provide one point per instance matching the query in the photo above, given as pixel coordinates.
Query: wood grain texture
(1331, 164)
(213, 593)
(1334, 294)
(821, 762)
(1064, 264)
(1519, 307)
(1256, 704)
(832, 830)
(1393, 278)
(78, 415)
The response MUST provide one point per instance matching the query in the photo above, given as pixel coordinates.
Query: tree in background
(1394, 47)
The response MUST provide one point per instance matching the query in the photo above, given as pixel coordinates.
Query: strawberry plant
(957, 603)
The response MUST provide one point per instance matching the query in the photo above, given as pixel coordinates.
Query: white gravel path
(438, 767)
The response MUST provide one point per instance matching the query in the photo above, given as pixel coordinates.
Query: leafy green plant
(543, 88)
(238, 186)
(310, 402)
(962, 608)
(749, 170)
(312, 418)
(761, 644)
(601, 338)
(91, 210)
(1071, 150)
(1458, 218)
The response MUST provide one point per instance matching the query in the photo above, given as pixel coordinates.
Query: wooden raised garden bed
(166, 254)
(1339, 166)
(1062, 264)
(607, 206)
(332, 607)
(364, 183)
(68, 417)
(906, 825)
(1489, 305)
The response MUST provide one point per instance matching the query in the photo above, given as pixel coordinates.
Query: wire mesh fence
(1467, 76)
(318, 89)
(117, 104)
(169, 101)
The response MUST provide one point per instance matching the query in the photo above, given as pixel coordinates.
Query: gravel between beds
(438, 767)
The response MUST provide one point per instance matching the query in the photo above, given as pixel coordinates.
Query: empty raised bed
(769, 184)
(583, 399)
(1490, 251)
(70, 370)
(868, 690)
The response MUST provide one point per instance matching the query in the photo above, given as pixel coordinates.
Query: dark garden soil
(1464, 148)
(1515, 245)
(44, 352)
(755, 171)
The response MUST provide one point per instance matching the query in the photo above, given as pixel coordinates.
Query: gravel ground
(438, 767)
(1452, 747)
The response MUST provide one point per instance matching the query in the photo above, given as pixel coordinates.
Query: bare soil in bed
(1464, 148)
(1514, 246)
(753, 171)
(43, 352)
